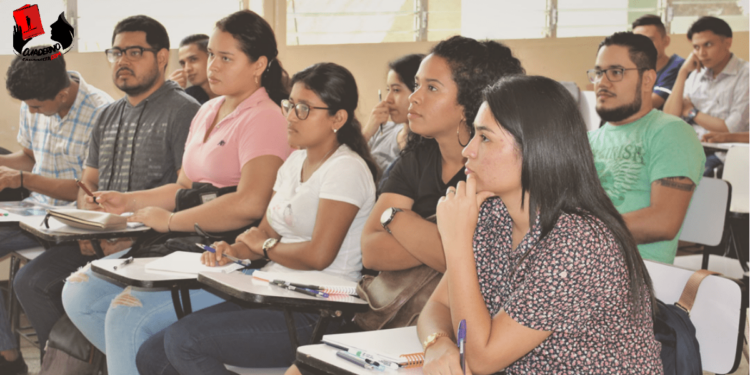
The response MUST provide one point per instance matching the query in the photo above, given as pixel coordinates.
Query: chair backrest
(736, 168)
(587, 106)
(718, 313)
(704, 221)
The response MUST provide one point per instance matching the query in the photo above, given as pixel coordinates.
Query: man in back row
(58, 113)
(648, 162)
(711, 91)
(137, 144)
(666, 66)
(193, 55)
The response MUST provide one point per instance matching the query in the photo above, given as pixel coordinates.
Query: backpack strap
(687, 298)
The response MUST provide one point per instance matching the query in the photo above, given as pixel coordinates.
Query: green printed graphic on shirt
(630, 157)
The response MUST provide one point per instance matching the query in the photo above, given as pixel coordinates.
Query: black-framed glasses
(300, 109)
(132, 53)
(613, 74)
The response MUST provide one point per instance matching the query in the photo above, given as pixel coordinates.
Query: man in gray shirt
(137, 144)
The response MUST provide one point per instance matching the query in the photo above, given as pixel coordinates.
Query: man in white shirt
(711, 91)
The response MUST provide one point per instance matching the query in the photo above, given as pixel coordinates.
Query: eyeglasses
(132, 53)
(300, 109)
(613, 74)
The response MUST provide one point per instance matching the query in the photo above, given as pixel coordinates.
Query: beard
(624, 111)
(143, 85)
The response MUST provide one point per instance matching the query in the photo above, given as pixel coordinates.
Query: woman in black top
(442, 108)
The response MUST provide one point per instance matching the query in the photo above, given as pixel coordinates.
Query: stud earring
(335, 130)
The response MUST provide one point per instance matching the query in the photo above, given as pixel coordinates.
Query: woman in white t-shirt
(322, 197)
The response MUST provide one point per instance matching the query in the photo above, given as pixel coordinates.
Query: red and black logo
(29, 26)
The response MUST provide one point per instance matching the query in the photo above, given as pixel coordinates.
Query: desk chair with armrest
(718, 314)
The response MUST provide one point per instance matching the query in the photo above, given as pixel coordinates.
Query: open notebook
(399, 345)
(327, 283)
(186, 262)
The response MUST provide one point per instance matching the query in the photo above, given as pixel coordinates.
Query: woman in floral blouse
(540, 264)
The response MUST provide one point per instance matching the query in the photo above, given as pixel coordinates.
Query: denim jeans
(12, 238)
(202, 342)
(117, 320)
(38, 285)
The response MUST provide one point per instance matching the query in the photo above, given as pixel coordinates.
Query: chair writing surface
(717, 314)
(389, 344)
(136, 274)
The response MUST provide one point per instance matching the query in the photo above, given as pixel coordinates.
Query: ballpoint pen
(124, 263)
(241, 262)
(315, 290)
(311, 293)
(462, 344)
(87, 191)
(361, 362)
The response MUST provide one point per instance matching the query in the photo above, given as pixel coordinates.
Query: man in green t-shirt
(649, 162)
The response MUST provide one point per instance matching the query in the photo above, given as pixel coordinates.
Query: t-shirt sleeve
(560, 289)
(737, 121)
(404, 176)
(266, 136)
(24, 132)
(92, 158)
(347, 179)
(179, 128)
(674, 151)
(663, 88)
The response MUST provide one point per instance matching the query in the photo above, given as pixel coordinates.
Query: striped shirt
(60, 144)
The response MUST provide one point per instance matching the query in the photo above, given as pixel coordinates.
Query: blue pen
(293, 286)
(462, 344)
(241, 262)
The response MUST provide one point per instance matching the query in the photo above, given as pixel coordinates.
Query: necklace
(320, 162)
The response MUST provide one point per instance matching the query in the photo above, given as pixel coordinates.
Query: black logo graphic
(62, 33)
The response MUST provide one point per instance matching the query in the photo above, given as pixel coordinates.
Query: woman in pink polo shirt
(237, 139)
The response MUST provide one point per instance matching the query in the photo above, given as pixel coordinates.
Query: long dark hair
(558, 165)
(336, 87)
(406, 68)
(474, 65)
(256, 39)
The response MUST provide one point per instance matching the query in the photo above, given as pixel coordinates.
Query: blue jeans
(117, 320)
(38, 285)
(12, 238)
(201, 343)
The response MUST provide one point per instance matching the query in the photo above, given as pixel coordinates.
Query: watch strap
(394, 211)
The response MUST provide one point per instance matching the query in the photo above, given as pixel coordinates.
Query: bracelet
(21, 179)
(170, 221)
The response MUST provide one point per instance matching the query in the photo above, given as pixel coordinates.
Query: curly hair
(39, 80)
(474, 65)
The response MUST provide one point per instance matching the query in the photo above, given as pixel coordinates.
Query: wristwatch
(268, 245)
(432, 339)
(691, 115)
(387, 217)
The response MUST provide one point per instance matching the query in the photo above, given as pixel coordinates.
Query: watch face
(386, 216)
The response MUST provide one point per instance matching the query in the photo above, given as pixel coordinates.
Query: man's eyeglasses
(300, 109)
(613, 74)
(132, 53)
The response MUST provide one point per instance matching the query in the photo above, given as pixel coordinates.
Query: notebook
(328, 283)
(399, 345)
(186, 262)
(93, 220)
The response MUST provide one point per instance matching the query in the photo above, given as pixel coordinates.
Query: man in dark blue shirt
(666, 67)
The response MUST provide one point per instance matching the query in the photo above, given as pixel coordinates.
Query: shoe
(17, 367)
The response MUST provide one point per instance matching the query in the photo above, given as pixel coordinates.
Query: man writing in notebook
(137, 144)
(58, 113)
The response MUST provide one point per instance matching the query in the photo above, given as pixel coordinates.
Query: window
(685, 12)
(97, 18)
(599, 18)
(504, 19)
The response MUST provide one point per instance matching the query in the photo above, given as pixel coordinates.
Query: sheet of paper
(185, 262)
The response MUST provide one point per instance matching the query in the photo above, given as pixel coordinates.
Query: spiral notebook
(398, 345)
(328, 283)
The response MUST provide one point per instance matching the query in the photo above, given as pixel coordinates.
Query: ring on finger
(451, 190)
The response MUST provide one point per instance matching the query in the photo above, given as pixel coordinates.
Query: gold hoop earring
(458, 135)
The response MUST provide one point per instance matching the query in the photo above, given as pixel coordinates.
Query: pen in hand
(88, 192)
(241, 262)
(462, 344)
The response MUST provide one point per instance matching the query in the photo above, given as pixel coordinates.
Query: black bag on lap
(155, 244)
